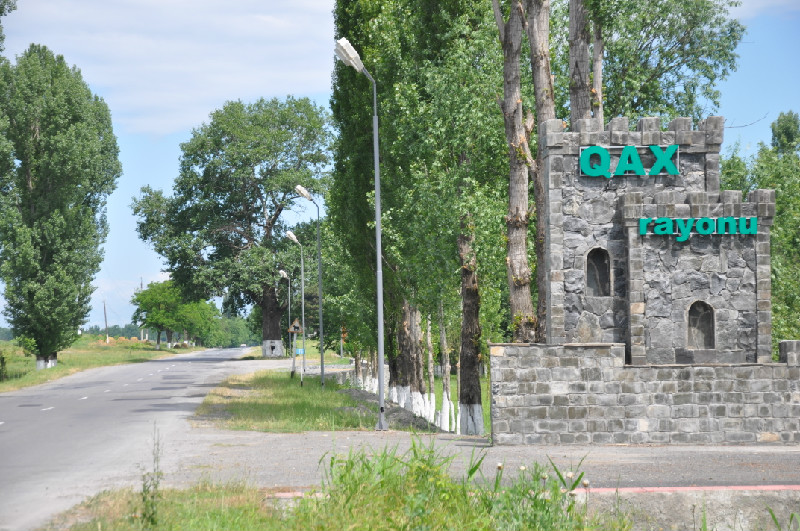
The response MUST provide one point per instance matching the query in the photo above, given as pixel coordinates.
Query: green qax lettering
(629, 162)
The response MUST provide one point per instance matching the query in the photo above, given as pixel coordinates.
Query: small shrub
(150, 494)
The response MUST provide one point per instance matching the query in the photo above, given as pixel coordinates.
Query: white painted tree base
(430, 408)
(470, 419)
(446, 416)
(417, 403)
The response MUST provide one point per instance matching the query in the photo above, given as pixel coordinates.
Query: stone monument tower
(643, 248)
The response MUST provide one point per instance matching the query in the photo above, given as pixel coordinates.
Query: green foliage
(778, 168)
(162, 306)
(786, 133)
(58, 164)
(791, 525)
(662, 58)
(6, 6)
(373, 490)
(150, 494)
(231, 332)
(219, 232)
(442, 156)
(158, 306)
(387, 490)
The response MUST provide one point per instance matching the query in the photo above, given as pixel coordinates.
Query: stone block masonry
(585, 394)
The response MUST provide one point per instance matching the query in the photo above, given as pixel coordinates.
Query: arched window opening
(598, 273)
(701, 326)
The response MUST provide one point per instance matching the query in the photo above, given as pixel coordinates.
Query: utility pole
(105, 316)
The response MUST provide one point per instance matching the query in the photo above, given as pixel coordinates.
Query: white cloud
(752, 8)
(163, 66)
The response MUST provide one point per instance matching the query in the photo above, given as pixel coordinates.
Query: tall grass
(383, 491)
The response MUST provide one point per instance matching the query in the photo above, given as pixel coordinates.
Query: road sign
(299, 351)
(295, 327)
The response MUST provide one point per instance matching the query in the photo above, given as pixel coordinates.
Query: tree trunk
(430, 402)
(395, 369)
(597, 73)
(517, 130)
(579, 87)
(158, 339)
(469, 399)
(373, 371)
(359, 380)
(539, 40)
(447, 404)
(271, 313)
(170, 333)
(411, 388)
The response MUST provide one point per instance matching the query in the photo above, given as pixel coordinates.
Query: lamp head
(302, 191)
(291, 236)
(347, 54)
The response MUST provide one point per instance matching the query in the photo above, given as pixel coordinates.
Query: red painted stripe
(637, 490)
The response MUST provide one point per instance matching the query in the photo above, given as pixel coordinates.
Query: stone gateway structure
(658, 299)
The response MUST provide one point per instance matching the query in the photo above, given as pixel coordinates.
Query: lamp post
(347, 54)
(291, 236)
(283, 274)
(302, 191)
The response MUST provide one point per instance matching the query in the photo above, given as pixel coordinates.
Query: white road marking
(125, 385)
(151, 374)
(107, 391)
(140, 379)
(84, 398)
(48, 408)
(1, 423)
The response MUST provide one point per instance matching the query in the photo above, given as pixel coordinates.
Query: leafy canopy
(238, 174)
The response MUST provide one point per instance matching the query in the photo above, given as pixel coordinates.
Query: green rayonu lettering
(682, 227)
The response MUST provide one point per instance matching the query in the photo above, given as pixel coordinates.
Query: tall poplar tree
(59, 164)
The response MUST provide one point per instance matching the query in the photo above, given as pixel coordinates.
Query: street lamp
(283, 274)
(302, 191)
(291, 236)
(349, 56)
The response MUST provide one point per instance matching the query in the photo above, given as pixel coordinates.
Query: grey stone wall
(565, 394)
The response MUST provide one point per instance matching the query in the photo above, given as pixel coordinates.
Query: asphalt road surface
(65, 440)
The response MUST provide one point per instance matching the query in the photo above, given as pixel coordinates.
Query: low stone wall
(584, 394)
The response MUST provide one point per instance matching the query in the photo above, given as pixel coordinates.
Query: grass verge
(371, 492)
(271, 401)
(88, 352)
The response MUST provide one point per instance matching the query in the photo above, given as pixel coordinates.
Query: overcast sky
(163, 65)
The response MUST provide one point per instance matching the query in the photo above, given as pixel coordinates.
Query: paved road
(71, 438)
